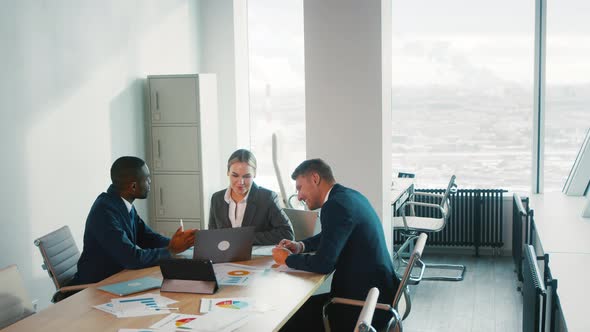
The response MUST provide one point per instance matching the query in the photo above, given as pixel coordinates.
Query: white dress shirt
(236, 210)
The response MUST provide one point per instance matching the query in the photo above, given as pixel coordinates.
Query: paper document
(262, 250)
(234, 304)
(141, 305)
(230, 274)
(215, 321)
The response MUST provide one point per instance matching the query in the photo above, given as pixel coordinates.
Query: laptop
(132, 286)
(224, 245)
(305, 223)
(188, 276)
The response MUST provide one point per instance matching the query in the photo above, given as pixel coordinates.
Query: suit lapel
(224, 214)
(250, 207)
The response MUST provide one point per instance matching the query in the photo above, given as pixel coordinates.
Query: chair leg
(398, 256)
(460, 268)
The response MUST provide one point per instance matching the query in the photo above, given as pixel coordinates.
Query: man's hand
(295, 247)
(280, 254)
(181, 240)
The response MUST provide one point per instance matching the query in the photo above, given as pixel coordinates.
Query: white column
(348, 95)
(223, 46)
(539, 101)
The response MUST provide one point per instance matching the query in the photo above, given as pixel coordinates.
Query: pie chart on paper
(181, 322)
(232, 304)
(238, 273)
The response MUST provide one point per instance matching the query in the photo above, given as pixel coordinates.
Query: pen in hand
(181, 225)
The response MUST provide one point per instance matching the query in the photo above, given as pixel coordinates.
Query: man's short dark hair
(125, 170)
(314, 166)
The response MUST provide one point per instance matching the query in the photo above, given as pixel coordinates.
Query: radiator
(475, 220)
(533, 294)
(519, 226)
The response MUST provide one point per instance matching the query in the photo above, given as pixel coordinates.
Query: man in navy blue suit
(115, 237)
(351, 242)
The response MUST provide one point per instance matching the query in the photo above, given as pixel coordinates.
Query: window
(462, 92)
(567, 91)
(277, 90)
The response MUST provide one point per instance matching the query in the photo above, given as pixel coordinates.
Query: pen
(181, 225)
(162, 308)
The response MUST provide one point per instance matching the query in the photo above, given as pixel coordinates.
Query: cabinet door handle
(161, 196)
(157, 101)
(159, 154)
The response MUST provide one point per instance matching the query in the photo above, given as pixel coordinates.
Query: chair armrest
(75, 287)
(420, 204)
(419, 193)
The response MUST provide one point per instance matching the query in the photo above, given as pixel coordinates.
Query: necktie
(132, 214)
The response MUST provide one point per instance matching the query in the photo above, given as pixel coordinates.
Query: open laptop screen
(224, 245)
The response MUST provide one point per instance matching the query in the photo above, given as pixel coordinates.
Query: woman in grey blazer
(244, 203)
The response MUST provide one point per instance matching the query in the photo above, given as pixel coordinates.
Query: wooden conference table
(286, 292)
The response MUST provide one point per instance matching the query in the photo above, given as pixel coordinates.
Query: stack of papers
(141, 305)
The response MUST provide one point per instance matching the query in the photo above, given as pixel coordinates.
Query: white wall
(72, 101)
(348, 94)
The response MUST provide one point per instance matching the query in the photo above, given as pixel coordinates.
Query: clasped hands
(182, 240)
(284, 249)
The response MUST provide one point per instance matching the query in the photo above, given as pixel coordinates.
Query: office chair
(15, 303)
(410, 226)
(60, 259)
(400, 308)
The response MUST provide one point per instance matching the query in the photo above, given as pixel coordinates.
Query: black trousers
(342, 317)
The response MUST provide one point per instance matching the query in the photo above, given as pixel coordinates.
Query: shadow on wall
(128, 129)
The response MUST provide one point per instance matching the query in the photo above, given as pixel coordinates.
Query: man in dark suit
(115, 237)
(351, 242)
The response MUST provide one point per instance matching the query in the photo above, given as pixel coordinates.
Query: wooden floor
(486, 300)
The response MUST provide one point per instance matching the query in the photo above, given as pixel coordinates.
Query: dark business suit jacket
(352, 243)
(262, 211)
(113, 242)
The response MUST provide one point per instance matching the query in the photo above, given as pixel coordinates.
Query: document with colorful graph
(210, 322)
(175, 322)
(234, 304)
(230, 274)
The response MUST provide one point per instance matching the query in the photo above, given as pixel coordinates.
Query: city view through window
(462, 91)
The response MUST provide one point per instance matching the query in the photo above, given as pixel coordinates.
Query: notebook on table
(132, 286)
(224, 245)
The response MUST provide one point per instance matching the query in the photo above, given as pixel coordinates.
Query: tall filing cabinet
(183, 149)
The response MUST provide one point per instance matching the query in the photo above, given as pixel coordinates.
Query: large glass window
(462, 92)
(277, 91)
(567, 92)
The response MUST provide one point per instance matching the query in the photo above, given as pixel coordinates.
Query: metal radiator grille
(475, 219)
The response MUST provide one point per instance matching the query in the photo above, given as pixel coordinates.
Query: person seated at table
(115, 237)
(351, 242)
(244, 203)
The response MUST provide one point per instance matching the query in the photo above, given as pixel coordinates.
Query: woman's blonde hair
(242, 156)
